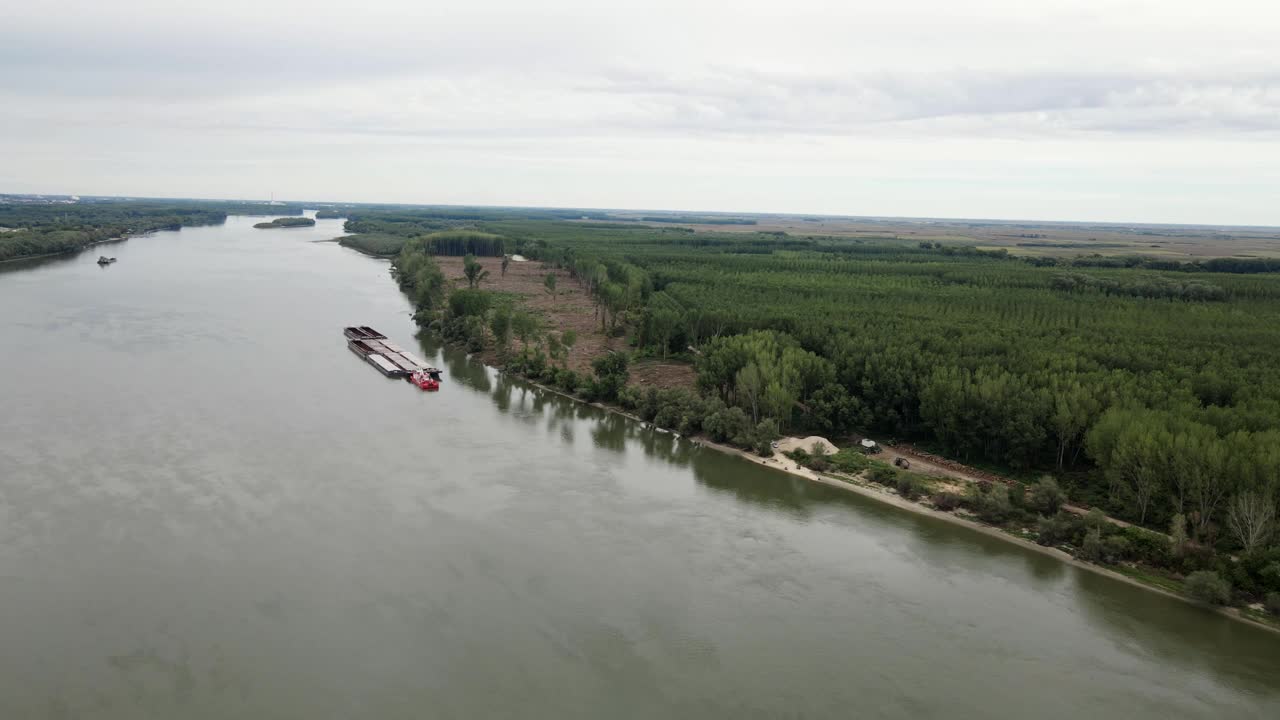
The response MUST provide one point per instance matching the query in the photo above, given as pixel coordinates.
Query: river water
(209, 508)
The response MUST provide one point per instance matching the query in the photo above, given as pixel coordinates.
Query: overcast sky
(1162, 111)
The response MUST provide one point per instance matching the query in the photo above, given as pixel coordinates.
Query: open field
(1031, 238)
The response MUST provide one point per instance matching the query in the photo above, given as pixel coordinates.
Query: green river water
(209, 508)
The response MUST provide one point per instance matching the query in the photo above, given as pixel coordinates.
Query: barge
(389, 358)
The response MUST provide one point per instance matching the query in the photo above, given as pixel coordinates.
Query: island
(286, 222)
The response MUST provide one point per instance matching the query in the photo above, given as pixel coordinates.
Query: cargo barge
(389, 358)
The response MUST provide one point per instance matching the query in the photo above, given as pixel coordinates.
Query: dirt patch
(572, 308)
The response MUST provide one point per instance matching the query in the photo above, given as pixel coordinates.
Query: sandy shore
(784, 464)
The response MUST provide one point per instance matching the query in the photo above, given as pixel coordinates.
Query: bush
(1091, 550)
(1063, 528)
(993, 506)
(883, 474)
(1046, 497)
(1208, 586)
(849, 461)
(946, 501)
(1146, 546)
(1115, 548)
(908, 487)
(1273, 603)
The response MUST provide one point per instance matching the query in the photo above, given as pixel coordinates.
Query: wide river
(209, 508)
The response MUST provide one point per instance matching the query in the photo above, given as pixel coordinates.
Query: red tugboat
(428, 379)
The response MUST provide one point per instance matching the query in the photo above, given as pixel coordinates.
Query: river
(209, 508)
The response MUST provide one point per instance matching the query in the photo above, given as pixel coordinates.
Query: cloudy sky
(1162, 111)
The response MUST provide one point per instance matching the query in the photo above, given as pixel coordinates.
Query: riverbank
(886, 497)
(72, 251)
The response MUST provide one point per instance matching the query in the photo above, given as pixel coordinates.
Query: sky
(1115, 110)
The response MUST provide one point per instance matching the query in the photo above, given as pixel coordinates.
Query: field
(1029, 238)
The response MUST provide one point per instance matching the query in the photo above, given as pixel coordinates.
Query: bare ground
(571, 309)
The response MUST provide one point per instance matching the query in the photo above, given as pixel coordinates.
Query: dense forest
(29, 229)
(1150, 391)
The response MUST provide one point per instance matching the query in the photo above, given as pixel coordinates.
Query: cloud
(918, 90)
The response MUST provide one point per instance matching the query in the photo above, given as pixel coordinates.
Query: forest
(31, 229)
(1152, 394)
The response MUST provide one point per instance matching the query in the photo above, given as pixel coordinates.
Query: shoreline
(919, 509)
(72, 252)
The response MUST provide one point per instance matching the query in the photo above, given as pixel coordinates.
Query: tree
(1209, 587)
(549, 283)
(568, 338)
(473, 271)
(1250, 515)
(525, 327)
(611, 374)
(506, 260)
(1178, 535)
(749, 385)
(779, 401)
(500, 324)
(662, 324)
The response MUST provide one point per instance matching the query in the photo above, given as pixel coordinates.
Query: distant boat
(104, 260)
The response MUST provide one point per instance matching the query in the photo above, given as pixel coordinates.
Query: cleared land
(571, 309)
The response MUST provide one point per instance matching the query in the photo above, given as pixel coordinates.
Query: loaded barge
(390, 359)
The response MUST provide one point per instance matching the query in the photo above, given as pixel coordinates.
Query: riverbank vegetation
(286, 222)
(31, 229)
(1149, 392)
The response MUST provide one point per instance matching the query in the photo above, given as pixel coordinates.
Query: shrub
(1208, 586)
(1046, 497)
(1063, 528)
(994, 506)
(1017, 495)
(946, 501)
(849, 461)
(1115, 548)
(883, 474)
(1091, 550)
(908, 487)
(1146, 546)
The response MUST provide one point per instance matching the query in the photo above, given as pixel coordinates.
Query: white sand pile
(788, 444)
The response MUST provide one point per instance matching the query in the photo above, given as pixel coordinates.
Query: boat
(426, 380)
(104, 260)
(390, 359)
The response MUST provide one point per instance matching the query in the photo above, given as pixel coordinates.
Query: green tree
(525, 327)
(473, 271)
(549, 285)
(749, 385)
(611, 374)
(1178, 535)
(500, 325)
